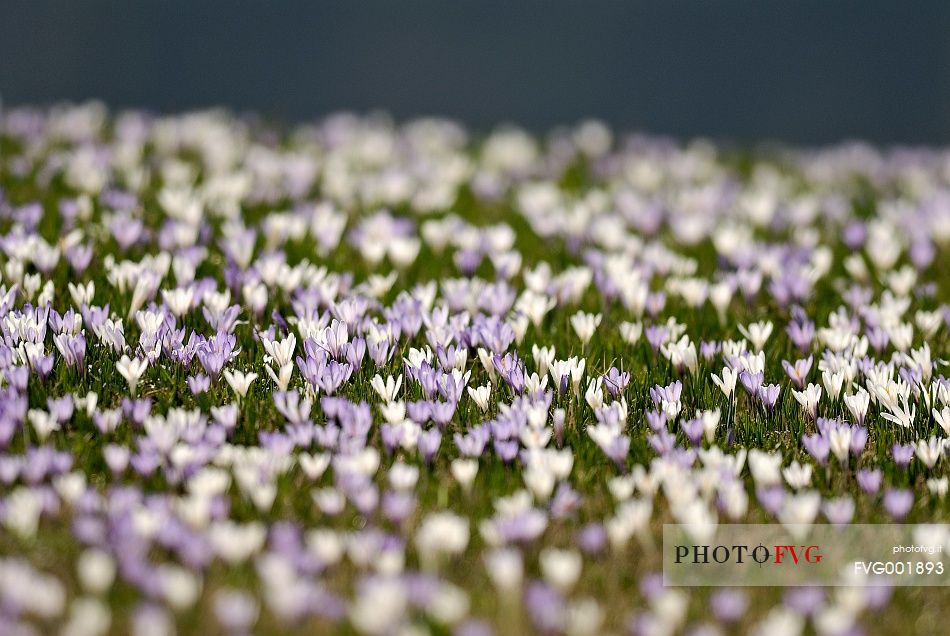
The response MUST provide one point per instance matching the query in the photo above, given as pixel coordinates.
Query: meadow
(361, 376)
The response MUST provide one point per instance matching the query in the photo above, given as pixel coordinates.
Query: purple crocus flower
(801, 334)
(656, 335)
(771, 498)
(397, 506)
(859, 439)
(333, 376)
(671, 393)
(565, 502)
(198, 383)
(656, 420)
(655, 303)
(511, 369)
(72, 348)
(708, 350)
(804, 601)
(751, 382)
(878, 596)
(818, 446)
(428, 444)
(869, 480)
(60, 408)
(898, 502)
(615, 381)
(839, 511)
(729, 605)
(651, 586)
(854, 234)
(419, 411)
(545, 607)
(662, 441)
(145, 462)
(619, 448)
(136, 410)
(558, 421)
(878, 338)
(769, 393)
(592, 538)
(18, 377)
(472, 444)
(798, 372)
(693, 429)
(43, 365)
(902, 453)
(79, 257)
(506, 450)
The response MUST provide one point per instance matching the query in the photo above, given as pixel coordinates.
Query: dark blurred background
(805, 71)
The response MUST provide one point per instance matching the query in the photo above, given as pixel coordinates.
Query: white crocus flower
(178, 300)
(534, 383)
(23, 507)
(797, 475)
(942, 418)
(631, 331)
(313, 466)
(903, 414)
(780, 621)
(540, 481)
(726, 383)
(281, 351)
(930, 450)
(901, 335)
(464, 471)
(839, 439)
(543, 357)
(43, 423)
(505, 569)
(595, 393)
(96, 570)
(441, 533)
(833, 383)
(178, 586)
(534, 306)
(481, 396)
(585, 324)
(236, 543)
(765, 467)
(710, 419)
(938, 487)
(486, 357)
(858, 404)
(387, 389)
(282, 377)
(560, 568)
(757, 333)
(380, 605)
(929, 322)
(403, 477)
(632, 517)
(799, 511)
(132, 369)
(720, 295)
(239, 381)
(809, 399)
(621, 487)
(82, 294)
(681, 354)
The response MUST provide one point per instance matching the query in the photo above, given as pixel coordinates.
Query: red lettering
(780, 553)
